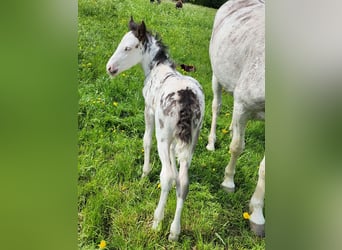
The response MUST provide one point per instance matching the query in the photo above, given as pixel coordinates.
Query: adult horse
(237, 55)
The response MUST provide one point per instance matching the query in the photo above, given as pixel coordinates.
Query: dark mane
(162, 55)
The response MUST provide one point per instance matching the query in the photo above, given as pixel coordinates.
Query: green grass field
(114, 204)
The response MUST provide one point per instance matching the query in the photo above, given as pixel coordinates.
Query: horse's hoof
(228, 189)
(258, 229)
(173, 237)
(210, 147)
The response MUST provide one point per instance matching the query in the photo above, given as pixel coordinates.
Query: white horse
(174, 104)
(237, 54)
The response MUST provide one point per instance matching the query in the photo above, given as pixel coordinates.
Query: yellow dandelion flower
(224, 131)
(115, 104)
(246, 215)
(159, 185)
(102, 244)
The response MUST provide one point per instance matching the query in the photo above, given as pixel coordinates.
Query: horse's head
(130, 50)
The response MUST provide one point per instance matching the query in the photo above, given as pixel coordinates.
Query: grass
(115, 205)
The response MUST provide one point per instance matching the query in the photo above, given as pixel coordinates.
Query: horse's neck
(150, 61)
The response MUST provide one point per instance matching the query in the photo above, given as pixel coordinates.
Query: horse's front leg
(257, 219)
(236, 146)
(149, 127)
(216, 106)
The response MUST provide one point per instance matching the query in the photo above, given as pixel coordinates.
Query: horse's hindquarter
(237, 42)
(163, 92)
(171, 93)
(163, 82)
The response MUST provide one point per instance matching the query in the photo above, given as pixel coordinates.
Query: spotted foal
(174, 105)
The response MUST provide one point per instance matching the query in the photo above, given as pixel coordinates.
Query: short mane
(162, 55)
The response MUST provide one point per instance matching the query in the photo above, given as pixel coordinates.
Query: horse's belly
(224, 69)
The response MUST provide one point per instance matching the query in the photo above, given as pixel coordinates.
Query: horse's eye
(128, 48)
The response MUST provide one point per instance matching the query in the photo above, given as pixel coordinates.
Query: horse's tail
(189, 115)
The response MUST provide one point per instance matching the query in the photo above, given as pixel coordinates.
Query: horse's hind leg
(216, 106)
(257, 220)
(237, 145)
(166, 179)
(182, 187)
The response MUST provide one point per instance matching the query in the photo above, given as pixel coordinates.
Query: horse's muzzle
(112, 71)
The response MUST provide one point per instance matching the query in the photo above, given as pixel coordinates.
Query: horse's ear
(142, 28)
(132, 25)
(141, 34)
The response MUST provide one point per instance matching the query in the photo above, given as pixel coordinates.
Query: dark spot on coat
(189, 114)
(168, 103)
(167, 76)
(161, 123)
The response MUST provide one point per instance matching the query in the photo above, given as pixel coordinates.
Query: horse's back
(180, 108)
(237, 46)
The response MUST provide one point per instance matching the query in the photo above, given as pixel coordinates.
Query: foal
(174, 104)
